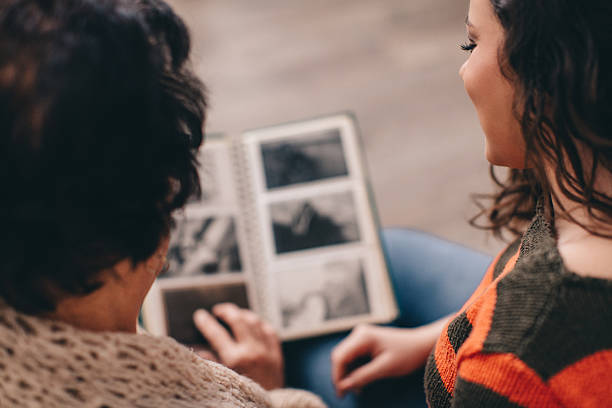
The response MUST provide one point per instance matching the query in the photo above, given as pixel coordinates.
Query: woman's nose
(462, 69)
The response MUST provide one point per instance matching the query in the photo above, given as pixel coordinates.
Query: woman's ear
(155, 264)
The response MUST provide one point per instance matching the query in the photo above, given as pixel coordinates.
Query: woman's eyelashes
(468, 46)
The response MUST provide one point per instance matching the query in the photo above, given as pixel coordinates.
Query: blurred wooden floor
(393, 62)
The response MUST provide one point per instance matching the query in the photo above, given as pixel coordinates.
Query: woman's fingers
(253, 350)
(361, 376)
(245, 324)
(219, 338)
(356, 345)
(206, 354)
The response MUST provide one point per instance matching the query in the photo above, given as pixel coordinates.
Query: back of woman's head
(100, 121)
(558, 56)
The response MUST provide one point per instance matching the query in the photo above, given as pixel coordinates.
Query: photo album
(286, 226)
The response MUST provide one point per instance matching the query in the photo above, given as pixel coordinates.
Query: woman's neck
(114, 306)
(583, 250)
(94, 312)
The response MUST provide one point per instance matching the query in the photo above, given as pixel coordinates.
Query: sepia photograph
(180, 304)
(203, 245)
(335, 290)
(320, 221)
(311, 157)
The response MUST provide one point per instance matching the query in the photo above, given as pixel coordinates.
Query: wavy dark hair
(100, 122)
(558, 56)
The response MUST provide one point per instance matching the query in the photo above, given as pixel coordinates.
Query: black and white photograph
(315, 222)
(311, 296)
(313, 157)
(180, 304)
(203, 245)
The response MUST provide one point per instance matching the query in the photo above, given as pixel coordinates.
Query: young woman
(537, 332)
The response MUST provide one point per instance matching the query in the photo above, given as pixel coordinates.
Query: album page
(319, 261)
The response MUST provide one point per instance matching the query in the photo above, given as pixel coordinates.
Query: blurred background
(394, 63)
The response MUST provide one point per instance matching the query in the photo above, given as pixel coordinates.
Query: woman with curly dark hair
(101, 119)
(537, 332)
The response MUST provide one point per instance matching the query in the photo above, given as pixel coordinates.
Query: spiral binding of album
(258, 279)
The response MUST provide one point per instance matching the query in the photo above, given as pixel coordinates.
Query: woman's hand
(391, 352)
(254, 349)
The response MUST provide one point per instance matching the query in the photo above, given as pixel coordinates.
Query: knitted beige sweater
(45, 363)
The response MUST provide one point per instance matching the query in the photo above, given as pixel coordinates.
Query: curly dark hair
(558, 56)
(101, 118)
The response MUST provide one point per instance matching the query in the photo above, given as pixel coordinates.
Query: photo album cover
(286, 226)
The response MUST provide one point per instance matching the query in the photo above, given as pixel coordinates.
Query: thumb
(345, 353)
(374, 370)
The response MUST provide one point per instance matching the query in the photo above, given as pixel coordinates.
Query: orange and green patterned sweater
(533, 334)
